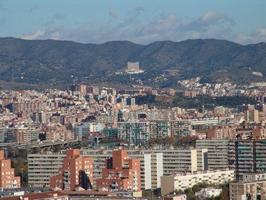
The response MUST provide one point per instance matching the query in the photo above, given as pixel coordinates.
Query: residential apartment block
(121, 173)
(7, 174)
(42, 166)
(151, 168)
(139, 132)
(178, 182)
(156, 162)
(247, 156)
(253, 186)
(218, 157)
(182, 160)
(77, 171)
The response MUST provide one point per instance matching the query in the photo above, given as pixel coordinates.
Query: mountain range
(52, 62)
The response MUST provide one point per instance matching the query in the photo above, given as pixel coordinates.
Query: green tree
(190, 194)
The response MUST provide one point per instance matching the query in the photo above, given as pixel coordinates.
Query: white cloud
(34, 35)
(209, 25)
(40, 34)
(164, 24)
(206, 22)
(259, 35)
(261, 32)
(55, 35)
(163, 27)
(212, 17)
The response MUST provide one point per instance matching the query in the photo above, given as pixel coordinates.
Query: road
(40, 144)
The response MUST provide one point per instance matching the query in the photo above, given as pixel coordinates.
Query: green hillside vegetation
(63, 62)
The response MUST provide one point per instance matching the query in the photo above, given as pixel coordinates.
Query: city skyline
(132, 99)
(137, 21)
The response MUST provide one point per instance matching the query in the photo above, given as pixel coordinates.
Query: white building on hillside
(133, 68)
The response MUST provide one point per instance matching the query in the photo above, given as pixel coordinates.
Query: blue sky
(140, 21)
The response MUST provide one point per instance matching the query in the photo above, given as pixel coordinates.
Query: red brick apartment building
(120, 174)
(7, 174)
(77, 171)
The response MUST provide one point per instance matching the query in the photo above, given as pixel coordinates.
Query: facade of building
(253, 186)
(39, 117)
(180, 128)
(42, 166)
(83, 130)
(121, 173)
(25, 135)
(77, 171)
(217, 153)
(156, 162)
(184, 181)
(151, 168)
(7, 174)
(202, 156)
(19, 134)
(156, 172)
(8, 135)
(243, 156)
(99, 161)
(137, 133)
(247, 156)
(140, 132)
(252, 115)
(151, 165)
(182, 160)
(221, 132)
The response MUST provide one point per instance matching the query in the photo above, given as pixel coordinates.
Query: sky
(139, 21)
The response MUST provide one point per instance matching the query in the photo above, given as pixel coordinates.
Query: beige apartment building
(184, 181)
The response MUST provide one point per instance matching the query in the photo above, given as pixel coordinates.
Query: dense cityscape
(132, 100)
(110, 142)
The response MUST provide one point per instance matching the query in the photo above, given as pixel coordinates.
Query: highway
(40, 144)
